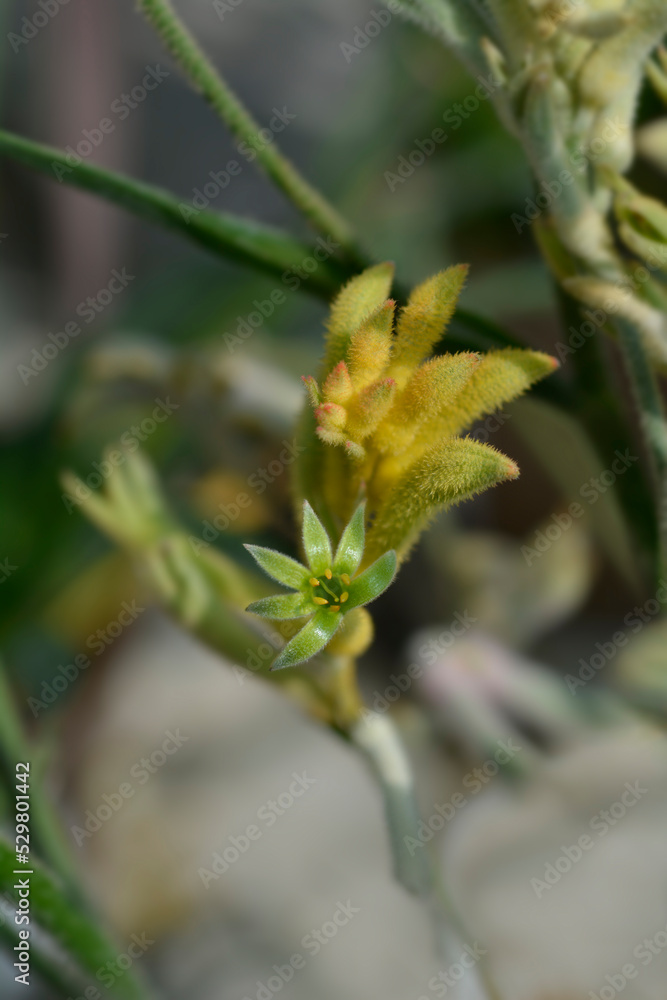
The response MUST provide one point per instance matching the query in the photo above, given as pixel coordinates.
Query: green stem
(652, 420)
(377, 738)
(379, 741)
(598, 408)
(206, 79)
(44, 824)
(239, 239)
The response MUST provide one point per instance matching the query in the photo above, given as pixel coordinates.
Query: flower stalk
(216, 91)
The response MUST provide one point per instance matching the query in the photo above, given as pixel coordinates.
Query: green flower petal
(283, 569)
(370, 584)
(351, 546)
(310, 640)
(315, 541)
(282, 606)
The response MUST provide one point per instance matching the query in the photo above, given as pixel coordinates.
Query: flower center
(329, 590)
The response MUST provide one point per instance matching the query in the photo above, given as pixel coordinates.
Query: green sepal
(312, 638)
(315, 541)
(351, 546)
(281, 567)
(281, 607)
(372, 582)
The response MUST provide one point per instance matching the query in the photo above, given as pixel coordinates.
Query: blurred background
(164, 336)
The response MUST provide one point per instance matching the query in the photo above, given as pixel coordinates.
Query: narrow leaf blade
(225, 234)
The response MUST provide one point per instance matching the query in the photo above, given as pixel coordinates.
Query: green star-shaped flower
(326, 589)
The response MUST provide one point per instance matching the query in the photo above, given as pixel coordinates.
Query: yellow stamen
(313, 582)
(320, 600)
(335, 607)
(328, 574)
(345, 578)
(344, 597)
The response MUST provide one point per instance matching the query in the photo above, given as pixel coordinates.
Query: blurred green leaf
(74, 931)
(240, 239)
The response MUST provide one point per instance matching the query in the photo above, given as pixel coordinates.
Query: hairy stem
(207, 80)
